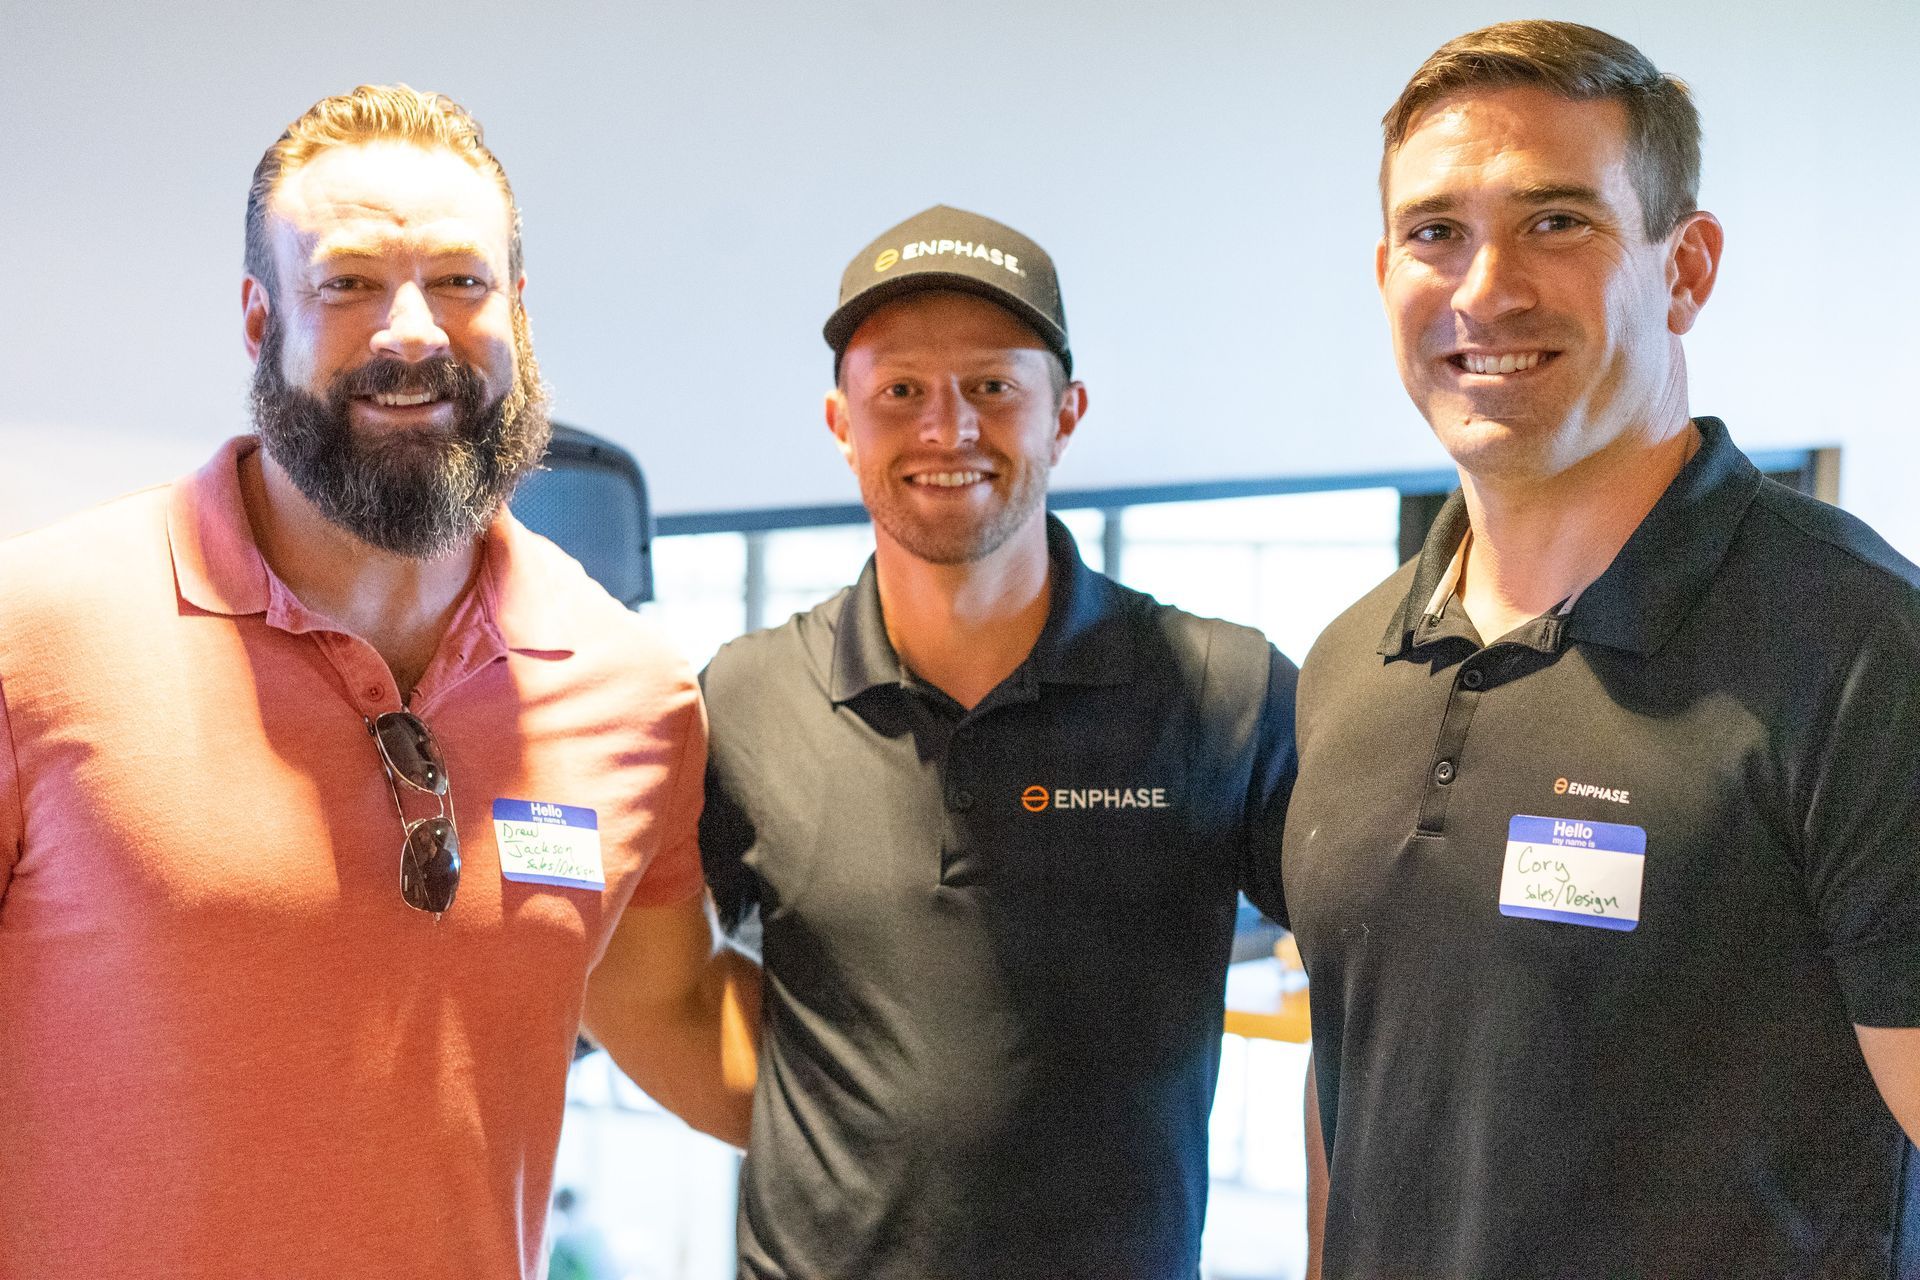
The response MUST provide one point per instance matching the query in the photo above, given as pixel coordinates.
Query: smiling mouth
(948, 479)
(1499, 362)
(402, 399)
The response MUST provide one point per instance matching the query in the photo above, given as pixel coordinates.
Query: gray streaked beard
(419, 494)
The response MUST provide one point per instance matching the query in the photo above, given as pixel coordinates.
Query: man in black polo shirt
(1605, 858)
(993, 810)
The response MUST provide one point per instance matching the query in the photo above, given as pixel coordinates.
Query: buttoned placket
(961, 760)
(1479, 675)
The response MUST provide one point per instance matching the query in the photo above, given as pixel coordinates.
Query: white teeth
(1509, 363)
(394, 401)
(950, 479)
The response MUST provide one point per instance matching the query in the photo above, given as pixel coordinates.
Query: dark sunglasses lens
(430, 865)
(412, 752)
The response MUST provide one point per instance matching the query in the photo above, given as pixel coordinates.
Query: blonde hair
(371, 113)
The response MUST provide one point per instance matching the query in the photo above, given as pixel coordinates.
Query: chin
(1486, 446)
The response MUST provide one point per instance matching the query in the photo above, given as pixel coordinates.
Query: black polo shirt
(1591, 912)
(995, 940)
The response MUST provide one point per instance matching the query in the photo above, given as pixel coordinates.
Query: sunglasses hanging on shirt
(430, 851)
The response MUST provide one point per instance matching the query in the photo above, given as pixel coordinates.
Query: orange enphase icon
(886, 259)
(1034, 799)
(1559, 786)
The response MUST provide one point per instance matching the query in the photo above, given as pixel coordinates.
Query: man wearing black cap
(993, 811)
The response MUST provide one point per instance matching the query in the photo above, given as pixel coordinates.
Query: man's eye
(465, 282)
(995, 386)
(896, 391)
(344, 284)
(1556, 222)
(1432, 233)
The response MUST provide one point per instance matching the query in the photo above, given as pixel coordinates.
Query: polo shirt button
(1443, 772)
(1472, 678)
(373, 692)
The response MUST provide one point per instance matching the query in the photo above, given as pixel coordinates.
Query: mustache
(441, 377)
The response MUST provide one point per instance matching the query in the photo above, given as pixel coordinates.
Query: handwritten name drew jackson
(535, 853)
(1561, 891)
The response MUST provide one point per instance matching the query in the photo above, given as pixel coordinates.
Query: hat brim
(840, 326)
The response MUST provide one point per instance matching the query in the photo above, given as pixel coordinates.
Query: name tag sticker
(1573, 871)
(545, 843)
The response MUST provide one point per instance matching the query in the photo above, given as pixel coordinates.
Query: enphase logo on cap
(1034, 799)
(886, 259)
(1559, 786)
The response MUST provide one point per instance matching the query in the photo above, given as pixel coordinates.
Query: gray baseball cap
(947, 248)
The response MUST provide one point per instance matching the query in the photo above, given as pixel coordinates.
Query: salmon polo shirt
(228, 1048)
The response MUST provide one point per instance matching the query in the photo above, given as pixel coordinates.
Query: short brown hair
(1580, 63)
(371, 113)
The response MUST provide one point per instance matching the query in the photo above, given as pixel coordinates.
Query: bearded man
(993, 810)
(238, 713)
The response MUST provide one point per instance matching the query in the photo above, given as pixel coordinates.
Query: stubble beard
(420, 494)
(958, 540)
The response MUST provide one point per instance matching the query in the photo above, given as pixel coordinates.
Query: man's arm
(1316, 1178)
(1893, 1057)
(679, 1010)
(12, 820)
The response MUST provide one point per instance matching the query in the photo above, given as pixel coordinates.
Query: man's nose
(949, 419)
(412, 331)
(1496, 284)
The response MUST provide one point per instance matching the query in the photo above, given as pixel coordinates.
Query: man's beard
(959, 540)
(423, 493)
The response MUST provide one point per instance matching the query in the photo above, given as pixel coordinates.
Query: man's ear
(1073, 407)
(837, 422)
(255, 307)
(1693, 264)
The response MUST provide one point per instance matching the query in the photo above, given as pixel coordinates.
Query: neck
(963, 628)
(1538, 541)
(399, 605)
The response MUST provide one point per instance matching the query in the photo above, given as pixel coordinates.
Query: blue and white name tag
(1573, 871)
(545, 843)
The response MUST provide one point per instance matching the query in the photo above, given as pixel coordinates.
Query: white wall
(694, 176)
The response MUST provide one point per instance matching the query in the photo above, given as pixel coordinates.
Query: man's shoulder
(1357, 631)
(1213, 645)
(1821, 549)
(795, 653)
(596, 627)
(85, 555)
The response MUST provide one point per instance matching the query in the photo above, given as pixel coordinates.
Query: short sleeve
(1276, 763)
(726, 830)
(12, 810)
(1862, 827)
(673, 872)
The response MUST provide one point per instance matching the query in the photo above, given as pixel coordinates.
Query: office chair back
(590, 497)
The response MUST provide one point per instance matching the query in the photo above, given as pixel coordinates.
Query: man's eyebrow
(1558, 193)
(1540, 193)
(355, 251)
(1421, 208)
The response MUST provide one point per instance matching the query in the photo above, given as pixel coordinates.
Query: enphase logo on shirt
(1038, 799)
(1618, 795)
(934, 248)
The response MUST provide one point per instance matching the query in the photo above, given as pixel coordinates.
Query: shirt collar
(1664, 570)
(1650, 586)
(1085, 639)
(218, 567)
